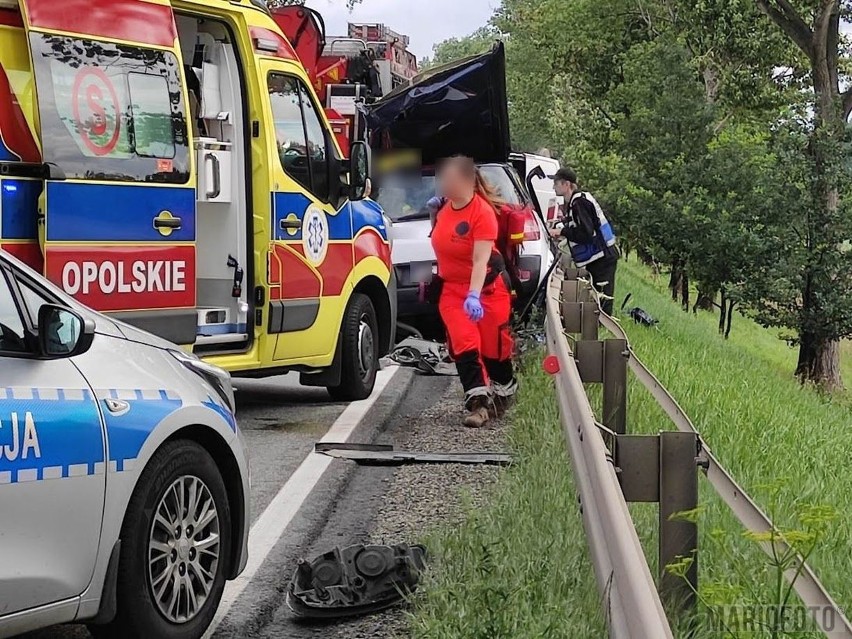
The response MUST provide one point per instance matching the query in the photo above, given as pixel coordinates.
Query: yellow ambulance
(168, 162)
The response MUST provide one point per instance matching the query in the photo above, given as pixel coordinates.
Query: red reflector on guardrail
(550, 365)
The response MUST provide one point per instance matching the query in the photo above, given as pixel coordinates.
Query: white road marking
(269, 527)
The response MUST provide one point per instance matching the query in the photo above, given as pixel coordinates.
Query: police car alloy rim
(366, 347)
(183, 549)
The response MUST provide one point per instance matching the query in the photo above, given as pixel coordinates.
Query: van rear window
(111, 111)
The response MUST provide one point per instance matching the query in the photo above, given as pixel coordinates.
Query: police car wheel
(175, 544)
(360, 357)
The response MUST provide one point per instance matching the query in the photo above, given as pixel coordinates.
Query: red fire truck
(368, 63)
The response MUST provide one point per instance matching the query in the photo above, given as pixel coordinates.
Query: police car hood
(143, 337)
(459, 108)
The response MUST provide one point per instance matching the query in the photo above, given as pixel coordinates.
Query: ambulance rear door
(120, 197)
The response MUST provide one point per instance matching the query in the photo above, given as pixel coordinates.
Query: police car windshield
(404, 197)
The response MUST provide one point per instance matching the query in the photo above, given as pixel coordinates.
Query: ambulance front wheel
(360, 356)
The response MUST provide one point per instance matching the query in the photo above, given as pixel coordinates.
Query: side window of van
(111, 111)
(302, 143)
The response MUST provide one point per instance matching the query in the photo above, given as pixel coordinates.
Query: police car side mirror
(63, 332)
(359, 170)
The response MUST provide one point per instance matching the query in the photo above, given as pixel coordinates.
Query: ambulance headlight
(219, 379)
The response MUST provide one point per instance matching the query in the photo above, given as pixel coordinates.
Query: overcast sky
(425, 22)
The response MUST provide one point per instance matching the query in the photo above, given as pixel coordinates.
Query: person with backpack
(475, 299)
(591, 239)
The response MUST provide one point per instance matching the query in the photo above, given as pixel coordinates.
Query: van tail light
(516, 225)
(532, 231)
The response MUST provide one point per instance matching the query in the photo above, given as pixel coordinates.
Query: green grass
(762, 425)
(517, 568)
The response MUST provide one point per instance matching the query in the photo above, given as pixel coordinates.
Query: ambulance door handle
(217, 186)
(173, 223)
(291, 225)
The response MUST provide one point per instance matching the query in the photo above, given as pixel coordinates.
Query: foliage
(772, 610)
(452, 49)
(712, 131)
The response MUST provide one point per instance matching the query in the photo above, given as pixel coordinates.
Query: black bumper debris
(357, 580)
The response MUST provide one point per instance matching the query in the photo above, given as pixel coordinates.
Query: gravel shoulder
(408, 502)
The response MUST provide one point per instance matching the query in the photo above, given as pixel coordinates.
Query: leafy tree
(452, 49)
(714, 131)
(823, 304)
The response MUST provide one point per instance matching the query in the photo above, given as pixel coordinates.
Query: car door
(311, 255)
(120, 199)
(52, 479)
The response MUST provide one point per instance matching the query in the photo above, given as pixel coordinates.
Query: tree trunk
(704, 302)
(723, 310)
(675, 279)
(819, 362)
(644, 256)
(819, 357)
(731, 305)
(684, 291)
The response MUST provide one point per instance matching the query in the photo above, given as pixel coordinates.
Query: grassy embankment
(519, 568)
(788, 446)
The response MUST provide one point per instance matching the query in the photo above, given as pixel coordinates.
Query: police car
(123, 477)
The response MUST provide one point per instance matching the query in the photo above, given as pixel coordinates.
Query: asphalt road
(281, 422)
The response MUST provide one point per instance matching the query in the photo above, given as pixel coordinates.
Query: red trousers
(482, 350)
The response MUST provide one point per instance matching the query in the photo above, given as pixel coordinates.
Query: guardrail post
(662, 468)
(615, 385)
(679, 536)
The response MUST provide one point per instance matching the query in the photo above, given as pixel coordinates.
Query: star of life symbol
(315, 235)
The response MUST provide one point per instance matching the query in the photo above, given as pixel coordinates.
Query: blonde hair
(486, 190)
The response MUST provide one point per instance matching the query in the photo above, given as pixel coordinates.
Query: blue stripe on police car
(55, 433)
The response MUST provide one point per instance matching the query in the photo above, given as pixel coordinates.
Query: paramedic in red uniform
(475, 301)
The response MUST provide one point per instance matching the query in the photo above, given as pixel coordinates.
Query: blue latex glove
(473, 307)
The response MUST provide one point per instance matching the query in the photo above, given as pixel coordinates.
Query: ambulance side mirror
(359, 170)
(63, 332)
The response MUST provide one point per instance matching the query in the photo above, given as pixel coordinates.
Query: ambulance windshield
(111, 111)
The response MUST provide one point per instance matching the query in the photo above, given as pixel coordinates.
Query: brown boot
(501, 405)
(504, 397)
(477, 412)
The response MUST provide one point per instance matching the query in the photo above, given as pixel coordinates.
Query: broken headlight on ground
(356, 580)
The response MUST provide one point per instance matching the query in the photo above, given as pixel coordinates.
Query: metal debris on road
(431, 358)
(357, 580)
(385, 455)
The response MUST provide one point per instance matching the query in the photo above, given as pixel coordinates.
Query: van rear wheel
(360, 356)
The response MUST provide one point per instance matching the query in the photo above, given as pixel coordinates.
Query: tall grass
(517, 568)
(789, 446)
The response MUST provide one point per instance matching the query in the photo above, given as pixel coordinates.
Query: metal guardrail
(633, 605)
